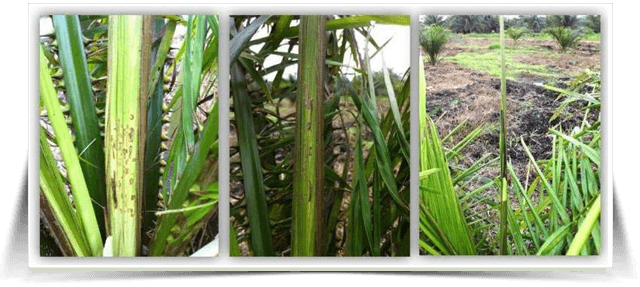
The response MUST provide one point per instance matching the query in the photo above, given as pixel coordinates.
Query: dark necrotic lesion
(113, 192)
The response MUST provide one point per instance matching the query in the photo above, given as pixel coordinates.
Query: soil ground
(456, 93)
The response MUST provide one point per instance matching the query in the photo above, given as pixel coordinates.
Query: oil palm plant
(515, 33)
(134, 121)
(433, 38)
(557, 210)
(565, 37)
(311, 169)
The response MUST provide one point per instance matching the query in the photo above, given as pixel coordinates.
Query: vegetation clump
(565, 37)
(567, 21)
(466, 24)
(593, 22)
(534, 22)
(434, 20)
(433, 39)
(515, 34)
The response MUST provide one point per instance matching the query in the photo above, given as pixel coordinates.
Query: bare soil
(564, 62)
(456, 94)
(459, 94)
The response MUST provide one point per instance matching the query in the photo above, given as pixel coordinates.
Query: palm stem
(309, 148)
(504, 198)
(128, 74)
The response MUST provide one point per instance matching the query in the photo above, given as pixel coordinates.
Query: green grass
(489, 63)
(592, 37)
(481, 35)
(486, 58)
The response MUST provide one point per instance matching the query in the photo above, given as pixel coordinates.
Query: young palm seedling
(433, 38)
(515, 34)
(565, 37)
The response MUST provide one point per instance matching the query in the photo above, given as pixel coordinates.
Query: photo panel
(128, 122)
(319, 136)
(510, 135)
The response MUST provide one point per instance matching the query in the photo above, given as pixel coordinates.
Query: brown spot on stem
(113, 192)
